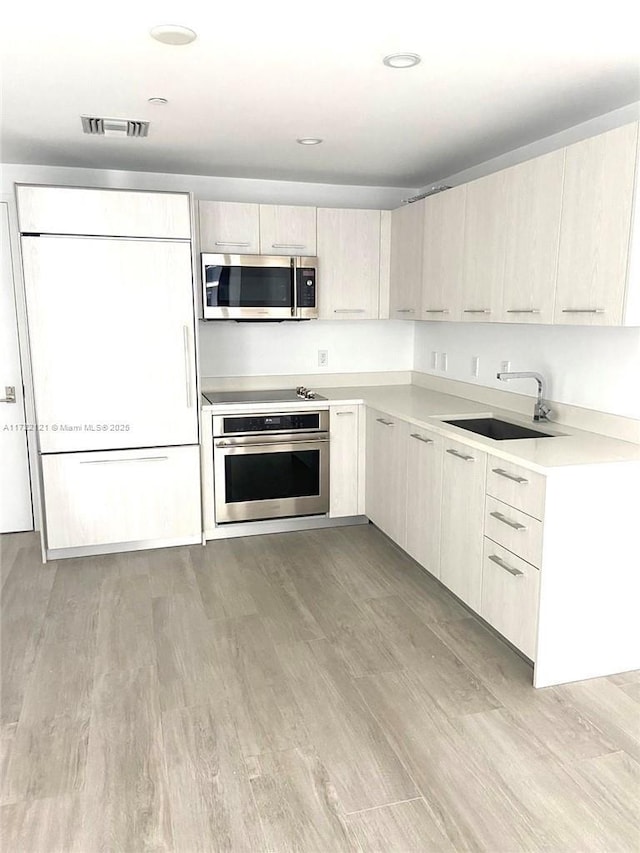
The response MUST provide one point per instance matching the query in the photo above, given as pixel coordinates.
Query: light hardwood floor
(312, 691)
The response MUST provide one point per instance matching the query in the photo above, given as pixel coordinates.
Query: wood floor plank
(406, 827)
(297, 802)
(352, 746)
(48, 825)
(72, 611)
(221, 581)
(126, 783)
(171, 572)
(23, 604)
(212, 806)
(125, 625)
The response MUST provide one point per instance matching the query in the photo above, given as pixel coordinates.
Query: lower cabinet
(346, 472)
(386, 484)
(463, 493)
(510, 589)
(107, 497)
(424, 498)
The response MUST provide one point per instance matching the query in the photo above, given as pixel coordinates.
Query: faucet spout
(541, 409)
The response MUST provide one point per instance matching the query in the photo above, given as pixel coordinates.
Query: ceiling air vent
(114, 126)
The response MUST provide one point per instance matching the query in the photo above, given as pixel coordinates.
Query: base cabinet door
(424, 498)
(386, 487)
(345, 471)
(463, 494)
(510, 589)
(103, 498)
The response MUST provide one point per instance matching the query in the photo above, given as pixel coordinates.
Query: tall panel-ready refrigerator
(109, 290)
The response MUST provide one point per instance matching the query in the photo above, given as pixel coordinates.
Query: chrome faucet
(541, 410)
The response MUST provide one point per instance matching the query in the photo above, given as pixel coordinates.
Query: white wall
(596, 368)
(220, 189)
(257, 349)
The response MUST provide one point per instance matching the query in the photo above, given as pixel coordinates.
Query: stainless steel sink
(497, 429)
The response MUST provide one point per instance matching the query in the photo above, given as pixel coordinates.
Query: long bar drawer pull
(129, 459)
(461, 455)
(521, 481)
(523, 310)
(340, 414)
(230, 243)
(477, 311)
(288, 246)
(405, 310)
(421, 438)
(436, 310)
(187, 364)
(386, 423)
(583, 310)
(503, 518)
(500, 562)
(349, 311)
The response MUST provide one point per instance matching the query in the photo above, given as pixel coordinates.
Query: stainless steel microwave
(259, 287)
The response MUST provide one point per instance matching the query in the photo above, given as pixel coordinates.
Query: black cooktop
(278, 395)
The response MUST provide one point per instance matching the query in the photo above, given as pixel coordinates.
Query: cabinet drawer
(510, 589)
(101, 498)
(515, 530)
(516, 486)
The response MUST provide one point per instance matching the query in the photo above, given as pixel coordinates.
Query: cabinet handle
(461, 455)
(187, 368)
(436, 310)
(10, 394)
(523, 310)
(128, 459)
(230, 243)
(502, 473)
(288, 246)
(477, 311)
(405, 311)
(349, 311)
(583, 310)
(503, 518)
(500, 562)
(386, 423)
(421, 438)
(340, 414)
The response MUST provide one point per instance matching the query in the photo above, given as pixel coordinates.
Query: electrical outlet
(323, 358)
(434, 360)
(475, 365)
(444, 361)
(505, 366)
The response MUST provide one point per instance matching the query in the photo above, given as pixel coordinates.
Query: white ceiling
(494, 76)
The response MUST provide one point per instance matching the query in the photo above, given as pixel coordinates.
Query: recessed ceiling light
(401, 60)
(309, 140)
(158, 101)
(172, 34)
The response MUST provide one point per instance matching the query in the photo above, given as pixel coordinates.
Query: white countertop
(427, 409)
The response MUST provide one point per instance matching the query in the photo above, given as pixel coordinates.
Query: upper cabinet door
(595, 227)
(349, 260)
(111, 328)
(108, 213)
(532, 223)
(484, 249)
(287, 230)
(229, 227)
(443, 254)
(405, 286)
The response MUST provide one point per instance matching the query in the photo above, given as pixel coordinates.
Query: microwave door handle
(295, 311)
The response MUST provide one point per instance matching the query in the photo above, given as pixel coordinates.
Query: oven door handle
(274, 444)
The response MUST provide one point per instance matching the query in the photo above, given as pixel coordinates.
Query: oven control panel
(293, 422)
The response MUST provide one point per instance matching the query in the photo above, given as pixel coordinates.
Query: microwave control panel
(306, 287)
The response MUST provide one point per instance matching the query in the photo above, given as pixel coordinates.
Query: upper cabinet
(108, 213)
(533, 205)
(287, 230)
(443, 254)
(407, 235)
(229, 227)
(349, 257)
(595, 228)
(484, 248)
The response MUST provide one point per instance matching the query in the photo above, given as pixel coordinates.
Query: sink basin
(497, 429)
